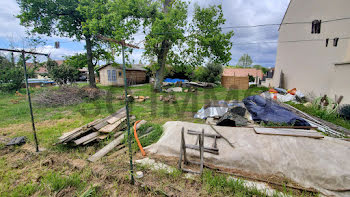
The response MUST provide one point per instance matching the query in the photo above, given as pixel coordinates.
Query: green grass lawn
(52, 172)
(51, 122)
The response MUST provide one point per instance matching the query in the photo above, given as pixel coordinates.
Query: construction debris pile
(224, 113)
(283, 95)
(67, 95)
(187, 84)
(260, 109)
(296, 154)
(268, 111)
(96, 130)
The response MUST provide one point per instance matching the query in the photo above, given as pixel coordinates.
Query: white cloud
(252, 12)
(237, 12)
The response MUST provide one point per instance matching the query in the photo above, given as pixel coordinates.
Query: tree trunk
(162, 56)
(89, 62)
(160, 73)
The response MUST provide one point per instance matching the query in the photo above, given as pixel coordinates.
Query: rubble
(175, 89)
(198, 84)
(169, 98)
(155, 165)
(232, 119)
(17, 141)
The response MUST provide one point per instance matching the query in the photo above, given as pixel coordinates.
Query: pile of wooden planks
(95, 130)
(116, 142)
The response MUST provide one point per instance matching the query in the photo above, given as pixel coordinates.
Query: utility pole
(123, 44)
(27, 87)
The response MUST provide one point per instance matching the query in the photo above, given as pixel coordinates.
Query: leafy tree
(11, 76)
(62, 74)
(259, 67)
(206, 40)
(209, 73)
(63, 18)
(251, 78)
(77, 60)
(245, 61)
(166, 29)
(205, 43)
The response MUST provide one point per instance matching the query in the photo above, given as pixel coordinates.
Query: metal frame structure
(23, 52)
(123, 44)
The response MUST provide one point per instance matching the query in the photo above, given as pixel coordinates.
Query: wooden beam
(191, 132)
(288, 132)
(86, 138)
(106, 149)
(120, 113)
(112, 127)
(214, 151)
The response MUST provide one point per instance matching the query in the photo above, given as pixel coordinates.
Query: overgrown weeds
(57, 182)
(323, 114)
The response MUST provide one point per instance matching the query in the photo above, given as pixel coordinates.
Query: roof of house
(42, 69)
(242, 72)
(138, 67)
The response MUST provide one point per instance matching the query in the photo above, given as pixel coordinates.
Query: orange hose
(137, 139)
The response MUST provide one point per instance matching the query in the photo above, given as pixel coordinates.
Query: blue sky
(236, 12)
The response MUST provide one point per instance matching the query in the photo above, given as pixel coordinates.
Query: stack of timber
(95, 130)
(112, 145)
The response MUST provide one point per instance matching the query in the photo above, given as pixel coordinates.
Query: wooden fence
(233, 82)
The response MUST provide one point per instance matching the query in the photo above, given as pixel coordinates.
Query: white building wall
(310, 66)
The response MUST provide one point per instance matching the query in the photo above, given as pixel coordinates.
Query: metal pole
(30, 102)
(127, 117)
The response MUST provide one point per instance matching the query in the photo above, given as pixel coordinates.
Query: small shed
(238, 78)
(233, 82)
(112, 75)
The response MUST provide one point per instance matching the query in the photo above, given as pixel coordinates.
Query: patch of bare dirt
(66, 192)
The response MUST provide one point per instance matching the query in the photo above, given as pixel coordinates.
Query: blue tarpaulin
(169, 80)
(268, 111)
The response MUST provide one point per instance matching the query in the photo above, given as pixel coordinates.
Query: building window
(335, 42)
(120, 74)
(109, 75)
(112, 75)
(316, 27)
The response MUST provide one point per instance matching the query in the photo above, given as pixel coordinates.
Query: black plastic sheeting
(268, 111)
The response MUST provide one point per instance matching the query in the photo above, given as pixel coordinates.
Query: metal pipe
(30, 102)
(18, 51)
(127, 117)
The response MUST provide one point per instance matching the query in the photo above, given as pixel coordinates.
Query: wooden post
(201, 149)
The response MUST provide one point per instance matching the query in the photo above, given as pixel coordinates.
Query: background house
(111, 75)
(41, 71)
(238, 78)
(242, 72)
(313, 54)
(267, 80)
